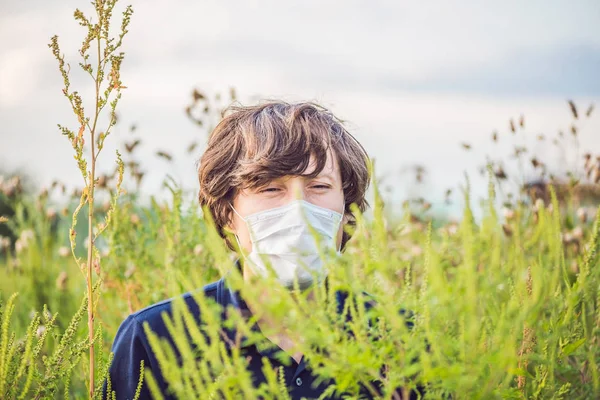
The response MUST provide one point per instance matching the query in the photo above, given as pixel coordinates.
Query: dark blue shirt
(131, 347)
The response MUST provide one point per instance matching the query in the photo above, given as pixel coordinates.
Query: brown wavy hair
(255, 144)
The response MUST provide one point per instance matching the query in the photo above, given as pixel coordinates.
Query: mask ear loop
(236, 236)
(339, 248)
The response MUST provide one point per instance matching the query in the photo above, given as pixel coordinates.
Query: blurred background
(431, 89)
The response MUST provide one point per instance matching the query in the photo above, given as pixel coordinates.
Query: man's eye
(269, 189)
(320, 186)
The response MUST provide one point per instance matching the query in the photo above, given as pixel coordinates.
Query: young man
(268, 172)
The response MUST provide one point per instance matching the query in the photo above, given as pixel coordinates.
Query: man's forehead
(329, 168)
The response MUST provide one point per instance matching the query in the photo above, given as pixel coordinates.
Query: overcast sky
(413, 79)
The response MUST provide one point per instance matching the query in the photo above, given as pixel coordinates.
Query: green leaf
(571, 347)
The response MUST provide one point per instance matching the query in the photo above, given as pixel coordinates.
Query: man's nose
(297, 189)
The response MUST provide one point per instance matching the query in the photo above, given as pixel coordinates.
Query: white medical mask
(283, 237)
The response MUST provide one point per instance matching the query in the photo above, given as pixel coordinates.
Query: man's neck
(273, 330)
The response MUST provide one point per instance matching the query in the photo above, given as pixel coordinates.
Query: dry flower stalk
(105, 73)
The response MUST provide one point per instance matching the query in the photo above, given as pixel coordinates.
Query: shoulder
(153, 314)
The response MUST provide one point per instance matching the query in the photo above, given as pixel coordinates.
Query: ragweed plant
(479, 314)
(25, 371)
(104, 69)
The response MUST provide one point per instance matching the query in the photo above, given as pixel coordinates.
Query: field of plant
(502, 306)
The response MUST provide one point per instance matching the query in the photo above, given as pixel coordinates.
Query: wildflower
(64, 251)
(198, 249)
(507, 230)
(577, 233)
(64, 212)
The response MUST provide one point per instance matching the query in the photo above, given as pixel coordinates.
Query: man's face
(325, 191)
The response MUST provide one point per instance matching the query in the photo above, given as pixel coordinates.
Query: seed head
(573, 109)
(588, 113)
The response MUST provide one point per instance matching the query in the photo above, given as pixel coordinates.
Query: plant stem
(91, 186)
